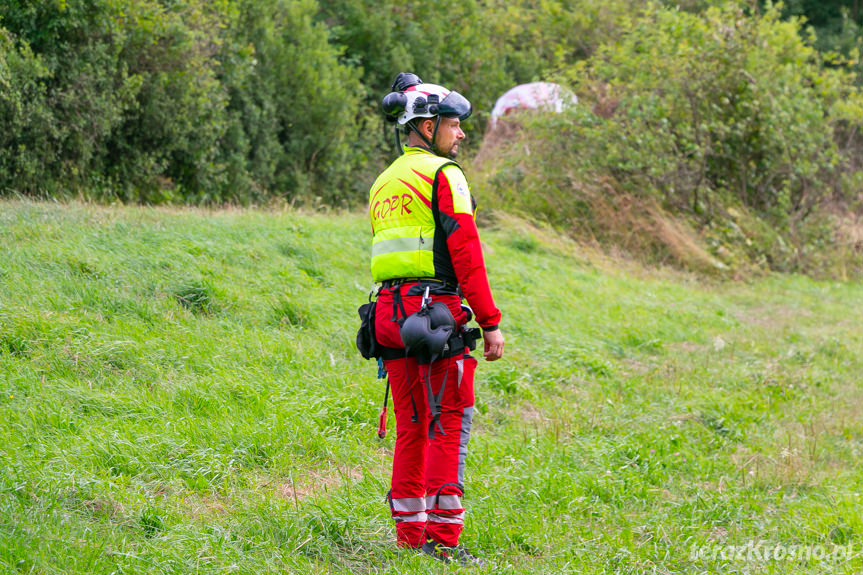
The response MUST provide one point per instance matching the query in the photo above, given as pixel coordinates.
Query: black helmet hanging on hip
(426, 332)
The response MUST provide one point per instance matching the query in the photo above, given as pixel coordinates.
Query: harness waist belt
(399, 281)
(465, 338)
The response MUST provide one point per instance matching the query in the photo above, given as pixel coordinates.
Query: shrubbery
(709, 108)
(694, 114)
(190, 101)
(244, 100)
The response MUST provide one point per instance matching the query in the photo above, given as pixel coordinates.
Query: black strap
(398, 304)
(434, 137)
(389, 284)
(435, 400)
(387, 394)
(435, 287)
(458, 486)
(387, 353)
(416, 130)
(415, 416)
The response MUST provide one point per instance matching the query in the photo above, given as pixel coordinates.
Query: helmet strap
(430, 144)
(412, 126)
(434, 136)
(399, 149)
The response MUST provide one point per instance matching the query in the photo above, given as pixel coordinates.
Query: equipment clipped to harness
(429, 334)
(368, 346)
(426, 335)
(367, 343)
(382, 418)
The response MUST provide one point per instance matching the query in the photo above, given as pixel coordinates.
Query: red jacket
(456, 234)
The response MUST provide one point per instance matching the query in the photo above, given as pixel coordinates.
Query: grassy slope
(179, 393)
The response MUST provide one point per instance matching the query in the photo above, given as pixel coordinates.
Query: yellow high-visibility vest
(400, 207)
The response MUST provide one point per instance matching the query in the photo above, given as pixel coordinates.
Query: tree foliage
(701, 112)
(244, 100)
(175, 101)
(719, 103)
(24, 118)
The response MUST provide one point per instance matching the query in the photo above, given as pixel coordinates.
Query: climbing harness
(429, 334)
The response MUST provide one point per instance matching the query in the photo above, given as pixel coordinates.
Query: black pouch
(367, 344)
(470, 336)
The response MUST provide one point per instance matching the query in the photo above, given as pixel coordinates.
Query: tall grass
(179, 393)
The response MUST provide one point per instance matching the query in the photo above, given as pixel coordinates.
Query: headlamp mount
(404, 81)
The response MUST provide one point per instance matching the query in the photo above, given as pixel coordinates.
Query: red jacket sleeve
(456, 212)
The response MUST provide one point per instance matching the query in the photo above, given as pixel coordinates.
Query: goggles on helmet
(455, 106)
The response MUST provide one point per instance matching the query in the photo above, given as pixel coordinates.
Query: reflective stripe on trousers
(416, 517)
(466, 421)
(428, 473)
(443, 502)
(457, 519)
(445, 509)
(409, 504)
(409, 510)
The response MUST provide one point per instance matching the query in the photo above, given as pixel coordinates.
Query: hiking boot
(457, 554)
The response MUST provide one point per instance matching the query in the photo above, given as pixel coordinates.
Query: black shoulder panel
(445, 225)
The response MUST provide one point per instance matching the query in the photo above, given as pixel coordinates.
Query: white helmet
(411, 98)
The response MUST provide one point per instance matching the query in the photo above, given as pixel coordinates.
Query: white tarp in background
(532, 96)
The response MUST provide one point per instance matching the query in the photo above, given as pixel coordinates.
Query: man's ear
(427, 127)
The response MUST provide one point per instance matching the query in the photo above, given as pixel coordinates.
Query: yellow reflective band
(394, 245)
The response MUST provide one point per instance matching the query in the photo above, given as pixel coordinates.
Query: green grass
(179, 393)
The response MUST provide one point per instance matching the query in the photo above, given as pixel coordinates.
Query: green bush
(192, 101)
(691, 114)
(718, 104)
(241, 100)
(481, 49)
(24, 116)
(131, 106)
(294, 110)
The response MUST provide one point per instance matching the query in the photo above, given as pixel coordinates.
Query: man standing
(426, 241)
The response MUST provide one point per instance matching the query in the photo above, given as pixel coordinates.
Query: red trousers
(428, 465)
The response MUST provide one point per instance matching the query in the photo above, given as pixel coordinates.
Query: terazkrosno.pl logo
(766, 551)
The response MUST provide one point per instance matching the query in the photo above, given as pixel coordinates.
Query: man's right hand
(492, 345)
